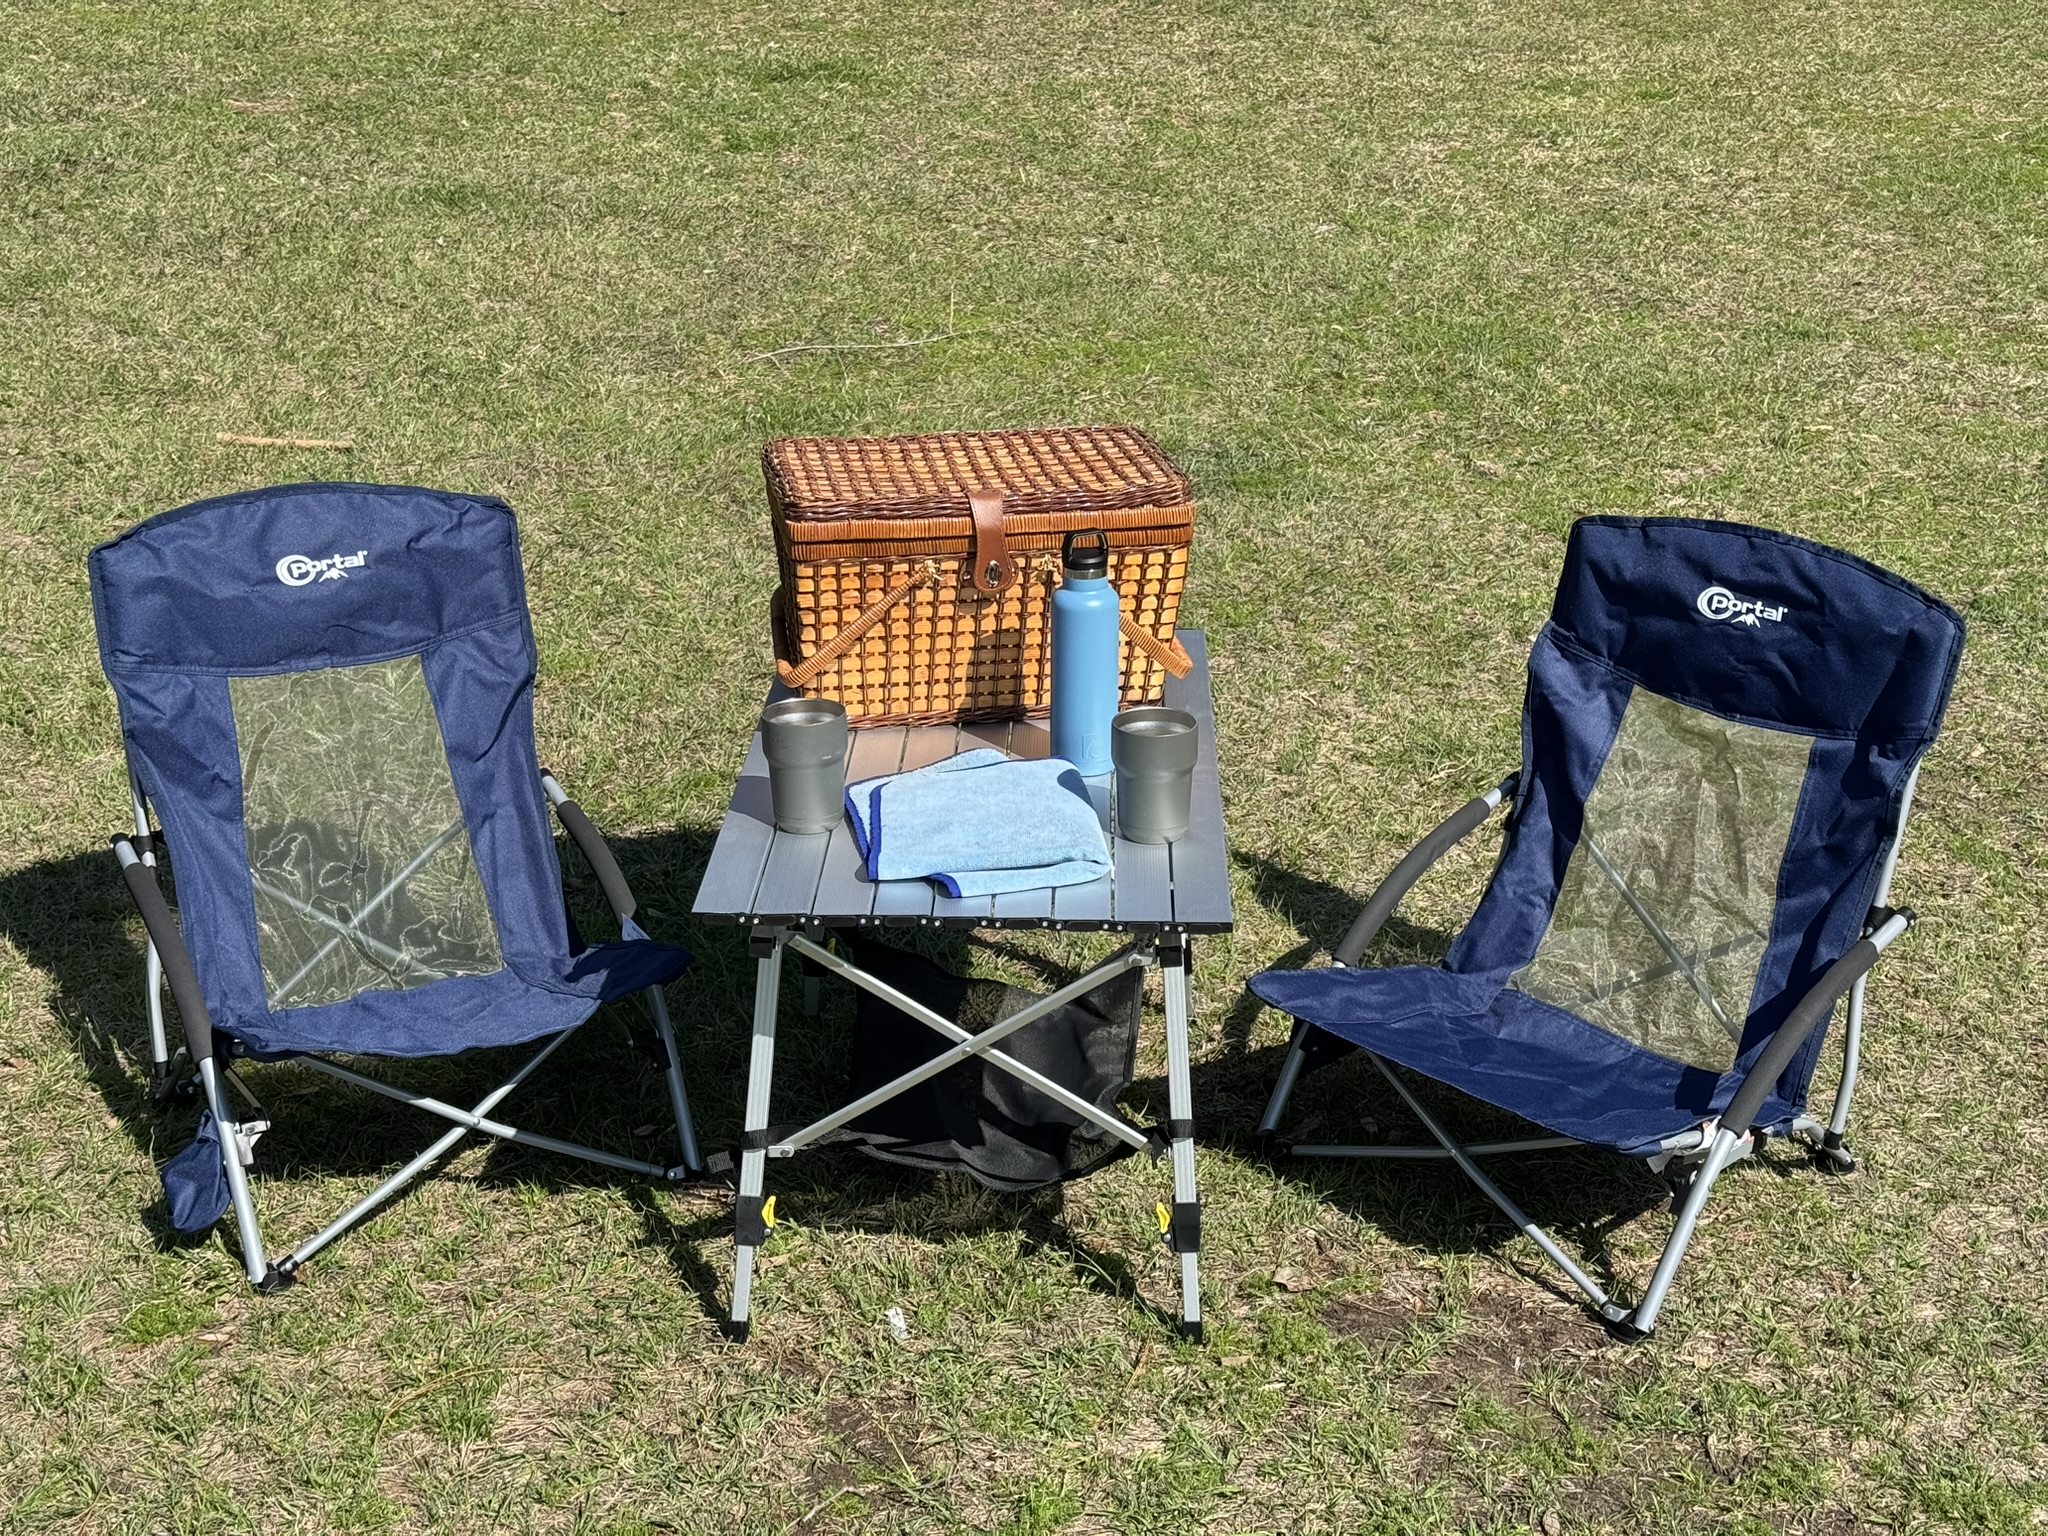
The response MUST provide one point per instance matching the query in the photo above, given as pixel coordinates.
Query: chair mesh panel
(1666, 906)
(364, 879)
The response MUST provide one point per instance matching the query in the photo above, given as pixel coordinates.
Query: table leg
(1184, 1230)
(749, 1220)
(813, 999)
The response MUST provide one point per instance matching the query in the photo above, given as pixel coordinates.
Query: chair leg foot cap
(1193, 1331)
(738, 1330)
(1621, 1322)
(278, 1278)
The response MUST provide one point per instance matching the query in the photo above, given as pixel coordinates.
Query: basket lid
(1040, 469)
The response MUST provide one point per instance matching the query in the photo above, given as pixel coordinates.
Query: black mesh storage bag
(977, 1117)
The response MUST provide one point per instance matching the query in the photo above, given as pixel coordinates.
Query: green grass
(1407, 288)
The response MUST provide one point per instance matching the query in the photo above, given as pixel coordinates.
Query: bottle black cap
(1080, 560)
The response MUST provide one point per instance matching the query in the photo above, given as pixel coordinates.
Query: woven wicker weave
(877, 542)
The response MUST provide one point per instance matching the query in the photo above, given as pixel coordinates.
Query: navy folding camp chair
(326, 696)
(1720, 739)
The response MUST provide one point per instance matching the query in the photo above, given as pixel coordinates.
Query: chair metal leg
(477, 1120)
(1638, 1322)
(1727, 1148)
(159, 1041)
(1832, 1145)
(290, 1263)
(749, 1213)
(284, 1269)
(153, 965)
(253, 1259)
(1184, 1224)
(678, 1095)
(1290, 1071)
(1492, 1191)
(1407, 1153)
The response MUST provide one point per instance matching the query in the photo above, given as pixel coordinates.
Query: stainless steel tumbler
(805, 742)
(1154, 750)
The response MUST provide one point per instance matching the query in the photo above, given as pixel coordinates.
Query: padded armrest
(609, 876)
(170, 948)
(1452, 830)
(1819, 1002)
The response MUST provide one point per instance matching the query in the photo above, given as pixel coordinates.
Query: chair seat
(1505, 1047)
(464, 1013)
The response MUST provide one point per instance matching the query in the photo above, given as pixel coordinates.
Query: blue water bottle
(1085, 643)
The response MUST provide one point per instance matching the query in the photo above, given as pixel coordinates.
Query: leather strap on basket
(1170, 654)
(994, 571)
(806, 672)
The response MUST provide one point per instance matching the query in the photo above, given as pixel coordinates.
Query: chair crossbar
(965, 1045)
(418, 861)
(477, 1120)
(1419, 1152)
(343, 930)
(1497, 1195)
(413, 1169)
(1657, 972)
(1664, 940)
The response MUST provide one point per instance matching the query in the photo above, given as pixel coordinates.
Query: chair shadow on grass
(1583, 1195)
(71, 917)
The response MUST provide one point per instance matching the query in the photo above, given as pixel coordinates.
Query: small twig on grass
(831, 1498)
(244, 440)
(438, 1382)
(854, 346)
(1144, 1354)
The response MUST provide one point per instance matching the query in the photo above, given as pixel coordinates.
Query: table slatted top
(758, 875)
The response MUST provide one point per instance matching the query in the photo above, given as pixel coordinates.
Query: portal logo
(299, 570)
(1723, 606)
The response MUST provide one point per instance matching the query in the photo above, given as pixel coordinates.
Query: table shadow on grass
(840, 1190)
(836, 1186)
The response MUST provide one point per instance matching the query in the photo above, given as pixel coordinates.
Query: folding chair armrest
(163, 932)
(595, 853)
(1452, 830)
(1819, 1002)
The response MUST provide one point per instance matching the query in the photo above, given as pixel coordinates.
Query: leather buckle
(993, 569)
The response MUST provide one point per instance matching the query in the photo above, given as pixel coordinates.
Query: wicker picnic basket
(917, 572)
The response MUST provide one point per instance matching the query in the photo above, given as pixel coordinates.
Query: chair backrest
(326, 693)
(1720, 729)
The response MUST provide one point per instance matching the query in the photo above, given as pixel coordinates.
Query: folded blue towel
(979, 824)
